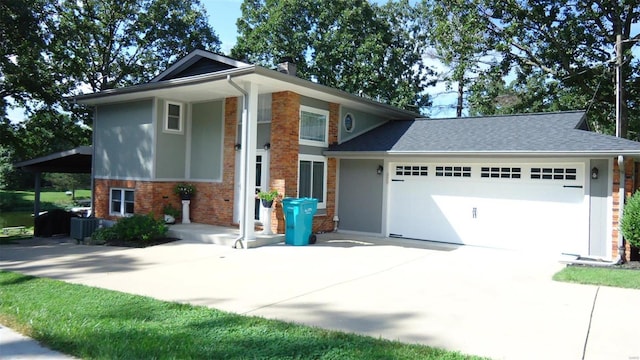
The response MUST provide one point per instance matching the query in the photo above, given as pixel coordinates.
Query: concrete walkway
(494, 303)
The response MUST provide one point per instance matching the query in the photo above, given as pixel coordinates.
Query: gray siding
(263, 137)
(360, 196)
(171, 148)
(362, 122)
(599, 191)
(206, 140)
(124, 140)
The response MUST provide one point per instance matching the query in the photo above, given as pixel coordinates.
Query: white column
(185, 211)
(266, 224)
(250, 130)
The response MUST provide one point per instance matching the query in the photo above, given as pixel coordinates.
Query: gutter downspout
(621, 198)
(243, 162)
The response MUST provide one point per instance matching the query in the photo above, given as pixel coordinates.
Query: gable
(199, 62)
(201, 66)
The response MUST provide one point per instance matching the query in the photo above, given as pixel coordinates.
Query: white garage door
(537, 207)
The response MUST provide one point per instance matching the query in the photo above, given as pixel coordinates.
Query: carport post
(36, 200)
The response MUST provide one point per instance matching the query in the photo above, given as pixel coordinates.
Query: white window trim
(309, 109)
(316, 158)
(122, 202)
(165, 126)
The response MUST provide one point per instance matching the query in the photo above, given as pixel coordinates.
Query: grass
(93, 323)
(623, 278)
(23, 200)
(6, 239)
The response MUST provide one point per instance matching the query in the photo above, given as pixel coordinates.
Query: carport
(74, 161)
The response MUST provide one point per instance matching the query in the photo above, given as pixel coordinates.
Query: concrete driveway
(500, 304)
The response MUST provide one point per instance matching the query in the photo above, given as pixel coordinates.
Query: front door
(262, 180)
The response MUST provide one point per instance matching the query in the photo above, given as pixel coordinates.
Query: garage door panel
(543, 214)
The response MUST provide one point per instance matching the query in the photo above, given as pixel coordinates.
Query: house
(540, 182)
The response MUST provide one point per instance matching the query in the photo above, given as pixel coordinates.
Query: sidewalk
(15, 346)
(479, 301)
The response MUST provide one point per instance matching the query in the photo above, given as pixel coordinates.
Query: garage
(533, 206)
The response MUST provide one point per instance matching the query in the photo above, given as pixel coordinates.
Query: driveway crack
(593, 307)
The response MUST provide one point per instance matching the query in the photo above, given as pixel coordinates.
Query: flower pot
(267, 203)
(185, 196)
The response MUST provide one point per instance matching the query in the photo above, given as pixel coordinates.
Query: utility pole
(621, 128)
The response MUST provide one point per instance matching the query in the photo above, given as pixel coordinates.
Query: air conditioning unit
(82, 228)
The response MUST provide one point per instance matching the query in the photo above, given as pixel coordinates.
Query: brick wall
(283, 167)
(629, 167)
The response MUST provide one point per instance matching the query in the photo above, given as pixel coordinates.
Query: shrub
(104, 234)
(135, 228)
(630, 222)
(140, 228)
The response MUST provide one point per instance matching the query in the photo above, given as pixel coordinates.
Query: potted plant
(185, 190)
(170, 214)
(267, 197)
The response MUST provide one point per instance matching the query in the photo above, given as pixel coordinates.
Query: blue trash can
(298, 216)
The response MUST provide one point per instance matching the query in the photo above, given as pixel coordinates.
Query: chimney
(288, 68)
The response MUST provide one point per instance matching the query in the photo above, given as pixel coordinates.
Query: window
(501, 172)
(349, 123)
(173, 118)
(554, 173)
(121, 201)
(453, 171)
(312, 178)
(314, 126)
(412, 170)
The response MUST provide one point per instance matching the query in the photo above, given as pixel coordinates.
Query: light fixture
(380, 170)
(267, 146)
(594, 173)
(238, 147)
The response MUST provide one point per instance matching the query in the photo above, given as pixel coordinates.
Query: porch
(219, 235)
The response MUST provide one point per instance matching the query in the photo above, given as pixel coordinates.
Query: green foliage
(105, 234)
(93, 323)
(169, 209)
(184, 189)
(567, 48)
(71, 182)
(142, 228)
(351, 45)
(268, 195)
(630, 222)
(457, 32)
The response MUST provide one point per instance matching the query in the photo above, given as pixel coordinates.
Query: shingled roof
(551, 133)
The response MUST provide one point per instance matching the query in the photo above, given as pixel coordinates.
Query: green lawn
(94, 323)
(23, 200)
(623, 278)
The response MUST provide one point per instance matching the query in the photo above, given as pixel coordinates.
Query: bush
(142, 228)
(630, 222)
(104, 234)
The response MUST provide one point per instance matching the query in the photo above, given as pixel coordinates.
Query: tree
(52, 49)
(107, 44)
(574, 45)
(25, 74)
(457, 32)
(351, 45)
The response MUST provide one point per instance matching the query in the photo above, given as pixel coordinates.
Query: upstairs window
(314, 126)
(173, 122)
